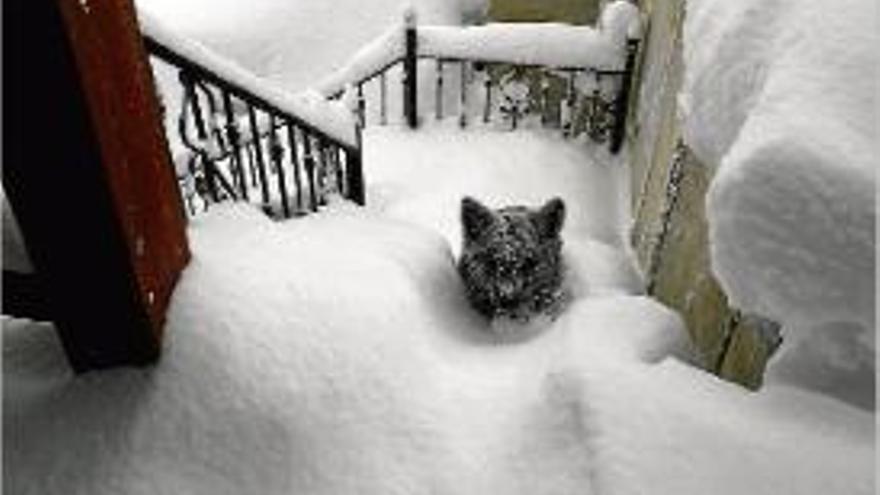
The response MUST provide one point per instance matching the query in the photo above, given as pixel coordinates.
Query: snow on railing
(239, 128)
(591, 68)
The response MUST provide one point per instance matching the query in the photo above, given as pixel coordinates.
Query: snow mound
(781, 96)
(295, 364)
(667, 429)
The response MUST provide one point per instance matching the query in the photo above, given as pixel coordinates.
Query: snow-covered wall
(781, 96)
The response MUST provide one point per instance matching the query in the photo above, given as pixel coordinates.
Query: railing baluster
(383, 99)
(188, 83)
(234, 135)
(323, 169)
(354, 173)
(462, 109)
(337, 167)
(294, 161)
(220, 144)
(361, 105)
(258, 151)
(410, 71)
(487, 108)
(595, 125)
(568, 128)
(545, 97)
(438, 104)
(276, 150)
(309, 162)
(252, 166)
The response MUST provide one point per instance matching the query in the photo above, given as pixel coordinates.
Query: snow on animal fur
(511, 258)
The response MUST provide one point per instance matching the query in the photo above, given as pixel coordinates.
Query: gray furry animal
(511, 258)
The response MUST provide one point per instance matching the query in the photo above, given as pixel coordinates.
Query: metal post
(354, 172)
(410, 72)
(361, 106)
(462, 105)
(438, 103)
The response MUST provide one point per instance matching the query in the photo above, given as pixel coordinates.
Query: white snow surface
(781, 97)
(15, 255)
(498, 168)
(337, 354)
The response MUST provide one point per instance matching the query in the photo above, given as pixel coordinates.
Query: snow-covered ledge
(780, 96)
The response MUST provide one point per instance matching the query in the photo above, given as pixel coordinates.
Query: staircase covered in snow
(236, 136)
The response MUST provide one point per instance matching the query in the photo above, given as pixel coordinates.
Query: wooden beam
(88, 175)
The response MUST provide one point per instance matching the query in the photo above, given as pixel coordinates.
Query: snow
(337, 354)
(780, 97)
(547, 44)
(836, 359)
(426, 188)
(371, 59)
(331, 118)
(15, 255)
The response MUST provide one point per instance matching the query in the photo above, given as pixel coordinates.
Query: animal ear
(475, 218)
(550, 217)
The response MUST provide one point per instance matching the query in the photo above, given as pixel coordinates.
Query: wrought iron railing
(590, 100)
(240, 146)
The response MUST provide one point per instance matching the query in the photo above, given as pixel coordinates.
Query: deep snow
(337, 354)
(780, 96)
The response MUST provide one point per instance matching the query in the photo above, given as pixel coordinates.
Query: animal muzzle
(508, 293)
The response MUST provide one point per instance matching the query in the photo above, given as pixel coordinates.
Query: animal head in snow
(511, 258)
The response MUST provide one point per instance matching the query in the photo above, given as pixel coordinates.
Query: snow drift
(781, 97)
(294, 364)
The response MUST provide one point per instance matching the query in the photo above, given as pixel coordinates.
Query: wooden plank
(88, 175)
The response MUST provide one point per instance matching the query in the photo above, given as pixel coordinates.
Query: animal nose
(507, 289)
